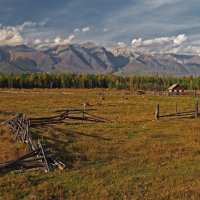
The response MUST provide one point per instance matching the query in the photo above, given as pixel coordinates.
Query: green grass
(133, 158)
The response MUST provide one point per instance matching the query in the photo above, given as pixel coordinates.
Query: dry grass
(133, 158)
(10, 149)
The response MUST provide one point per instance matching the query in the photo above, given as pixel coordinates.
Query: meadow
(131, 157)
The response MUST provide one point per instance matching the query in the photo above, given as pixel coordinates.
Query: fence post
(103, 96)
(196, 108)
(84, 107)
(157, 112)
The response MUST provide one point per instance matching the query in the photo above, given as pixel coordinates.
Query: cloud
(154, 4)
(43, 22)
(106, 30)
(14, 35)
(141, 18)
(121, 44)
(37, 42)
(86, 29)
(82, 30)
(63, 41)
(11, 36)
(180, 39)
(76, 30)
(47, 41)
(192, 49)
(28, 24)
(31, 24)
(160, 44)
(180, 44)
(177, 40)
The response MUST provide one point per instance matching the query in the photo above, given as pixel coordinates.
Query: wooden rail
(194, 113)
(68, 114)
(34, 159)
(38, 156)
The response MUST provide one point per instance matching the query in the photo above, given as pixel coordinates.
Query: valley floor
(131, 157)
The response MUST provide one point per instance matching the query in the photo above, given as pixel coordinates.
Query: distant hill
(91, 58)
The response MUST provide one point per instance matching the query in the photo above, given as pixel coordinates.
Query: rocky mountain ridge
(94, 59)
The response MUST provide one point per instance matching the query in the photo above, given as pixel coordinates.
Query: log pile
(34, 159)
(20, 127)
(38, 157)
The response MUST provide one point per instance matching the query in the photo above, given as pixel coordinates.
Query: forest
(136, 82)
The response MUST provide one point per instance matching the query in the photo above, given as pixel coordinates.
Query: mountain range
(94, 59)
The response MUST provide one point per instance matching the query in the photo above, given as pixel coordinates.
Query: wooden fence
(68, 114)
(20, 127)
(192, 114)
(38, 157)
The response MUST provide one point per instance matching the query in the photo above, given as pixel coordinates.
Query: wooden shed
(176, 89)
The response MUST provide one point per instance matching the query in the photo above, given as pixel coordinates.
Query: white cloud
(161, 44)
(82, 30)
(28, 24)
(86, 29)
(180, 39)
(37, 42)
(14, 35)
(106, 29)
(177, 40)
(121, 44)
(192, 49)
(153, 4)
(25, 25)
(31, 24)
(180, 44)
(63, 41)
(43, 22)
(43, 44)
(10, 36)
(47, 41)
(76, 30)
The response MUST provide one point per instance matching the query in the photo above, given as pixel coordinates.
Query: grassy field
(134, 157)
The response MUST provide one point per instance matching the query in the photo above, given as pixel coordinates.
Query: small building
(176, 89)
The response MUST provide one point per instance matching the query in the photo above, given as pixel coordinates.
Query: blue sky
(143, 25)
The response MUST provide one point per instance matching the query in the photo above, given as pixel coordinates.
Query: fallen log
(15, 163)
(35, 159)
(74, 109)
(45, 118)
(45, 123)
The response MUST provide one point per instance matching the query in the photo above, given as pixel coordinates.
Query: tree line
(137, 82)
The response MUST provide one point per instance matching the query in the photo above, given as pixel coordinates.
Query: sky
(157, 26)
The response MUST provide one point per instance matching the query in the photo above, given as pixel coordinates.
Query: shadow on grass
(78, 134)
(58, 148)
(67, 150)
(63, 148)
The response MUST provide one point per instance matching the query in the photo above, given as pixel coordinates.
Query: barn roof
(173, 86)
